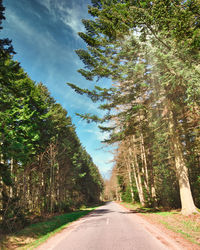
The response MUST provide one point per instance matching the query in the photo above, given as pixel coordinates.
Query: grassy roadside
(32, 236)
(187, 227)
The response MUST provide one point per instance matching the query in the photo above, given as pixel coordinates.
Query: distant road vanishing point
(110, 227)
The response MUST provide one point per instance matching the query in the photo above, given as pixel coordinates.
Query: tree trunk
(11, 171)
(131, 184)
(151, 178)
(144, 166)
(187, 202)
(137, 175)
(128, 164)
(139, 186)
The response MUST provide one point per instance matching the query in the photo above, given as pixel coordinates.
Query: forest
(150, 50)
(44, 169)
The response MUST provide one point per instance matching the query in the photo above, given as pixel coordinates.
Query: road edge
(180, 242)
(69, 227)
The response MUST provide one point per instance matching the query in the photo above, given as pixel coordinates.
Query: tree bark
(128, 166)
(145, 168)
(137, 175)
(187, 202)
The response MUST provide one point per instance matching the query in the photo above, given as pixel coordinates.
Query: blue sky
(44, 35)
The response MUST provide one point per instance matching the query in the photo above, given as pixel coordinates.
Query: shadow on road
(100, 212)
(141, 210)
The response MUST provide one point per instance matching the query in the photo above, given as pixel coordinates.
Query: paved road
(110, 227)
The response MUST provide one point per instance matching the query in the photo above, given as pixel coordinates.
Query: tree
(6, 48)
(136, 44)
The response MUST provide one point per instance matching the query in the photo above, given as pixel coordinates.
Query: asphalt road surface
(110, 227)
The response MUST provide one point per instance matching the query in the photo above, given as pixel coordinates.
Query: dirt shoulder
(185, 230)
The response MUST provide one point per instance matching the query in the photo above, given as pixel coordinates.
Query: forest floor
(184, 229)
(33, 235)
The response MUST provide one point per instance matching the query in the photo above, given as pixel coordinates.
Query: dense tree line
(43, 166)
(150, 51)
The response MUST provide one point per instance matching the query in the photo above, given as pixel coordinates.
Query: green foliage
(43, 166)
(126, 195)
(38, 230)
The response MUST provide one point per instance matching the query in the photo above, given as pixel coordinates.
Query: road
(110, 227)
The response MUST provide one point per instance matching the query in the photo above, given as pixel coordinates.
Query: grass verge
(186, 226)
(32, 236)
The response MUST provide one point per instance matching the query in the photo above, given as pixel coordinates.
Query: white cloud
(72, 18)
(84, 103)
(46, 3)
(44, 42)
(100, 136)
(12, 18)
(30, 33)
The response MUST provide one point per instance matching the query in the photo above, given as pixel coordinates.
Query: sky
(44, 36)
